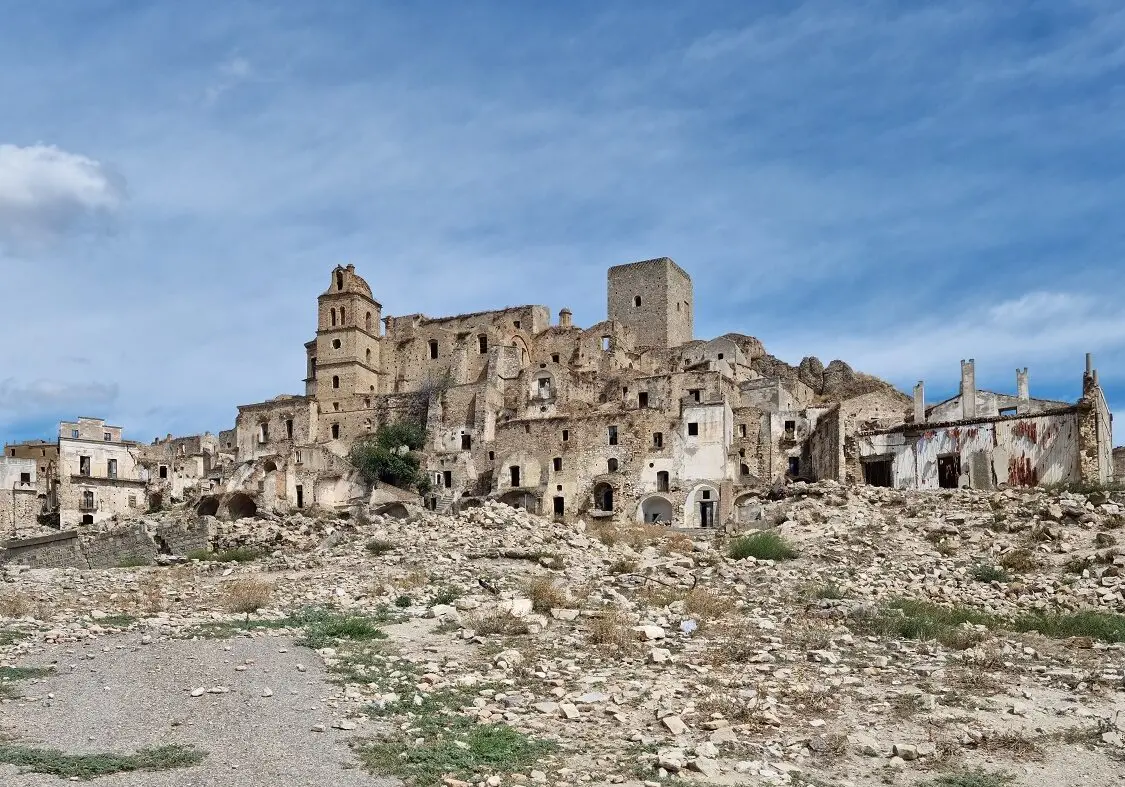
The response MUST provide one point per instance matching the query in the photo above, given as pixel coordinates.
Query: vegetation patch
(446, 594)
(1104, 626)
(89, 766)
(391, 456)
(10, 675)
(248, 595)
(974, 778)
(986, 573)
(134, 561)
(761, 546)
(379, 546)
(922, 620)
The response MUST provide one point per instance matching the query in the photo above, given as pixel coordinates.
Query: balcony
(88, 505)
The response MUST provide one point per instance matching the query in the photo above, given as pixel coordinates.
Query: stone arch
(657, 506)
(393, 510)
(208, 506)
(269, 466)
(525, 356)
(702, 506)
(240, 505)
(747, 508)
(517, 499)
(603, 496)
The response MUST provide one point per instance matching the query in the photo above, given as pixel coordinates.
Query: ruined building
(631, 419)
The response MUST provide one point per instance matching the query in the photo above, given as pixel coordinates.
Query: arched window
(339, 280)
(367, 355)
(637, 301)
(367, 322)
(613, 465)
(343, 319)
(333, 316)
(335, 381)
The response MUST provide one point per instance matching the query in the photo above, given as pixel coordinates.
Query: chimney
(920, 403)
(1022, 390)
(968, 389)
(1089, 364)
(350, 268)
(564, 318)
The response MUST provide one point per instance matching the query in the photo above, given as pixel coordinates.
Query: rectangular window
(790, 428)
(794, 466)
(297, 458)
(555, 358)
(482, 341)
(514, 472)
(613, 435)
(878, 472)
(25, 479)
(693, 429)
(466, 442)
(742, 430)
(642, 399)
(264, 433)
(107, 436)
(111, 468)
(657, 439)
(557, 463)
(289, 428)
(662, 481)
(74, 433)
(132, 501)
(516, 323)
(447, 478)
(164, 471)
(433, 349)
(491, 456)
(566, 435)
(335, 431)
(300, 496)
(949, 471)
(559, 506)
(694, 394)
(1006, 411)
(83, 465)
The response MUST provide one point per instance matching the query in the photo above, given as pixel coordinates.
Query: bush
(402, 602)
(1018, 560)
(134, 561)
(248, 595)
(922, 620)
(378, 546)
(1104, 626)
(611, 629)
(761, 546)
(545, 595)
(446, 594)
(985, 573)
(391, 456)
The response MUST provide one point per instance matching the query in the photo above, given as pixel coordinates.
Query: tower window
(613, 435)
(556, 463)
(335, 381)
(612, 465)
(333, 313)
(693, 429)
(433, 349)
(335, 431)
(339, 280)
(335, 344)
(566, 435)
(657, 439)
(343, 319)
(742, 430)
(367, 322)
(482, 341)
(367, 356)
(289, 428)
(637, 301)
(555, 358)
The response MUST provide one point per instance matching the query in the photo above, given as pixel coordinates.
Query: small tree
(390, 456)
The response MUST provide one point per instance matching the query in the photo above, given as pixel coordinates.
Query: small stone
(318, 728)
(706, 766)
(301, 668)
(674, 725)
(345, 725)
(659, 656)
(198, 692)
(650, 632)
(569, 710)
(267, 692)
(906, 751)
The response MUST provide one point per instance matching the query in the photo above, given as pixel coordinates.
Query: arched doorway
(208, 506)
(603, 497)
(240, 506)
(702, 507)
(655, 509)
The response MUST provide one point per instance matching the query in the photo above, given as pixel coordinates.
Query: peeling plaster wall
(826, 446)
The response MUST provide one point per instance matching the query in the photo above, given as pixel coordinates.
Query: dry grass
(16, 605)
(632, 535)
(976, 681)
(707, 605)
(678, 543)
(545, 595)
(1018, 560)
(247, 595)
(151, 594)
(613, 629)
(413, 579)
(623, 566)
(497, 622)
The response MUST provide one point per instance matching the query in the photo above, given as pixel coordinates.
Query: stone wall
(110, 549)
(55, 550)
(826, 447)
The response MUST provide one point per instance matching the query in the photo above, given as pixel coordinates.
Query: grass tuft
(986, 573)
(545, 595)
(134, 561)
(1104, 626)
(89, 766)
(973, 778)
(378, 546)
(248, 595)
(761, 546)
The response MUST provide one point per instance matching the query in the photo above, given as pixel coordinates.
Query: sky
(898, 185)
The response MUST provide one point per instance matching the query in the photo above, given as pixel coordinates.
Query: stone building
(179, 467)
(20, 504)
(980, 439)
(99, 474)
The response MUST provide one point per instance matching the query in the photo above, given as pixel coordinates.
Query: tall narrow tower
(344, 360)
(654, 299)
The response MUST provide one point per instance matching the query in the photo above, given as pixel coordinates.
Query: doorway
(515, 473)
(706, 513)
(300, 496)
(878, 472)
(949, 471)
(559, 506)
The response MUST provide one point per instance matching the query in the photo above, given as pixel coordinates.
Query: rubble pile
(914, 634)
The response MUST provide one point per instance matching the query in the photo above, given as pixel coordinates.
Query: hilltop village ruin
(631, 420)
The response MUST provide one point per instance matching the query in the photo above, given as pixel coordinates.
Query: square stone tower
(653, 298)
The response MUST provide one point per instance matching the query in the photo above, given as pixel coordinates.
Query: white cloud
(46, 192)
(45, 396)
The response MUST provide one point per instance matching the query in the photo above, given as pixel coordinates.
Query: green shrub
(762, 546)
(1104, 626)
(923, 620)
(391, 456)
(402, 602)
(378, 546)
(446, 594)
(973, 778)
(89, 766)
(986, 573)
(134, 561)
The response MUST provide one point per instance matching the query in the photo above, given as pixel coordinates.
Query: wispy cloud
(46, 396)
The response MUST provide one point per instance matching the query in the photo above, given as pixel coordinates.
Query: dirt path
(121, 695)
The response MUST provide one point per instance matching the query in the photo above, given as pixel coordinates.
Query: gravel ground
(121, 695)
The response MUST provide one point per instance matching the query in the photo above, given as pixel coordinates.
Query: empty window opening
(743, 469)
(556, 463)
(514, 473)
(605, 344)
(482, 342)
(74, 433)
(794, 466)
(367, 356)
(642, 399)
(790, 428)
(289, 428)
(466, 442)
(164, 471)
(742, 430)
(366, 402)
(706, 511)
(624, 390)
(297, 458)
(88, 500)
(335, 344)
(544, 387)
(367, 322)
(657, 439)
(558, 487)
(1005, 411)
(555, 358)
(694, 394)
(111, 468)
(343, 319)
(677, 305)
(742, 452)
(636, 301)
(263, 432)
(603, 497)
(516, 323)
(878, 472)
(662, 481)
(300, 496)
(339, 280)
(107, 436)
(693, 429)
(949, 471)
(720, 356)
(83, 465)
(447, 478)
(312, 368)
(25, 479)
(333, 314)
(527, 428)
(433, 349)
(613, 435)
(335, 381)
(336, 406)
(491, 456)
(566, 435)
(87, 519)
(560, 505)
(612, 465)
(335, 431)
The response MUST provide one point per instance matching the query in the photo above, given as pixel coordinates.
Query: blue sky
(898, 185)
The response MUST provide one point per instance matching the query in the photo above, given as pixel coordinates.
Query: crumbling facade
(981, 439)
(99, 473)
